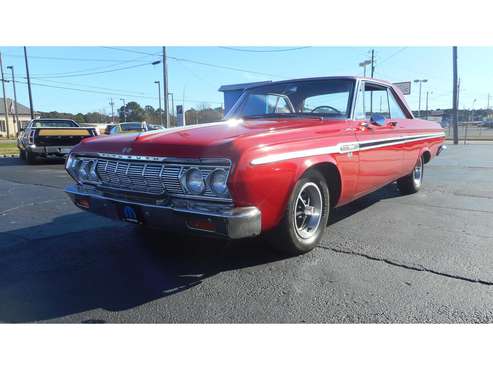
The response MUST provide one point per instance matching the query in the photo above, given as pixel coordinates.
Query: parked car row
(50, 137)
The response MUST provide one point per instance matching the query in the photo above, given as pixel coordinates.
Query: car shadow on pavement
(387, 192)
(111, 268)
(39, 161)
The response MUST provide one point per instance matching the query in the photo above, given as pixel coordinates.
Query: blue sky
(85, 68)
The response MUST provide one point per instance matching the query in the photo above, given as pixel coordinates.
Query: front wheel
(411, 183)
(30, 157)
(306, 215)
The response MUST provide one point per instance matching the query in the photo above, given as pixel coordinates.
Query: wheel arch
(332, 176)
(426, 154)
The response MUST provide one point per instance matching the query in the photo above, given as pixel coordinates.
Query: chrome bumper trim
(441, 148)
(230, 222)
(55, 150)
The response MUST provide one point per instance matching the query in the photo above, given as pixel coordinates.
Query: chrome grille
(148, 177)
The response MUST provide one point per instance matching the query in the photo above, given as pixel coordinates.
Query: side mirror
(377, 119)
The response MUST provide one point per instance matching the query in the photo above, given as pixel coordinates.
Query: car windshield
(330, 98)
(131, 126)
(54, 123)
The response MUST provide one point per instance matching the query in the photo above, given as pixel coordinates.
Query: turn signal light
(202, 224)
(83, 203)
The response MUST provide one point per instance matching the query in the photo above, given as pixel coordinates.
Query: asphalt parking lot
(426, 257)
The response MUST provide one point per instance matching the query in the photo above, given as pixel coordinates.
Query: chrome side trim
(347, 147)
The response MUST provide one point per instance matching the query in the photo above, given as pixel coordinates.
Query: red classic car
(284, 156)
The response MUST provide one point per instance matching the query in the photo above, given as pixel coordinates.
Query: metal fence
(470, 132)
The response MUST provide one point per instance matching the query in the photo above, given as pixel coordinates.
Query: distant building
(23, 113)
(233, 92)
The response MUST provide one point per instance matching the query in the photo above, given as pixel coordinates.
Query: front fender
(268, 186)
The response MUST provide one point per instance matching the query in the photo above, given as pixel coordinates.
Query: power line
(87, 69)
(393, 55)
(264, 51)
(223, 67)
(90, 86)
(131, 50)
(107, 93)
(67, 58)
(99, 72)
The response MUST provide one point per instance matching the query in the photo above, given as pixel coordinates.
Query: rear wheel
(30, 157)
(305, 218)
(411, 183)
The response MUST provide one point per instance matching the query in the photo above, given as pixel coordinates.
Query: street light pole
(172, 109)
(16, 115)
(165, 87)
(124, 110)
(419, 101)
(427, 111)
(4, 98)
(160, 107)
(364, 64)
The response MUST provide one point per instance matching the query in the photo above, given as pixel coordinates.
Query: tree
(79, 117)
(135, 113)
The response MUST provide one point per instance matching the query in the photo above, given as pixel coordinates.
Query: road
(426, 257)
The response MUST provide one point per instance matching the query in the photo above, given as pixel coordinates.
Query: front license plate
(130, 214)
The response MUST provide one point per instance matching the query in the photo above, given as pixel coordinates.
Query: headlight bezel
(185, 181)
(75, 167)
(223, 191)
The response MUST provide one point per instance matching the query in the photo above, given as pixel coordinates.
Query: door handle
(393, 123)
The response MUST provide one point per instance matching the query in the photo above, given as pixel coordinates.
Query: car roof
(376, 80)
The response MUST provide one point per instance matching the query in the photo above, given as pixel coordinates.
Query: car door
(380, 153)
(408, 128)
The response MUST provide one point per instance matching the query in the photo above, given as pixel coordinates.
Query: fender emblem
(126, 150)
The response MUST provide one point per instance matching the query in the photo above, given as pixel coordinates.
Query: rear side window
(54, 123)
(395, 109)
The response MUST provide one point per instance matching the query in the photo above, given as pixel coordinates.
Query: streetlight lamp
(16, 116)
(419, 101)
(160, 107)
(364, 64)
(124, 110)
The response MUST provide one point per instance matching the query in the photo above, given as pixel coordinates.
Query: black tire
(412, 183)
(22, 154)
(30, 157)
(288, 237)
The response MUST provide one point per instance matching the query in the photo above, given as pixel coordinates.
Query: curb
(9, 155)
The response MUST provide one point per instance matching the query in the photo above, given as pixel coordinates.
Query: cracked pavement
(387, 258)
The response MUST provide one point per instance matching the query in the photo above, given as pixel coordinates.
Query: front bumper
(173, 214)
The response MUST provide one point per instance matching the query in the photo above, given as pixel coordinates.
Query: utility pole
(488, 106)
(112, 104)
(419, 101)
(455, 96)
(160, 107)
(29, 84)
(372, 62)
(16, 115)
(4, 99)
(124, 110)
(165, 87)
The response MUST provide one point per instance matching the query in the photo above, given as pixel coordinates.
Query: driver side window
(327, 103)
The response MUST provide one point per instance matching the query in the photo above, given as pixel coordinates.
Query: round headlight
(84, 169)
(217, 181)
(194, 181)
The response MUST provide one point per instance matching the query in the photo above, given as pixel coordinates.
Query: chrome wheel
(308, 210)
(418, 172)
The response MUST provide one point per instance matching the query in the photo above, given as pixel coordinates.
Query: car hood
(218, 139)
